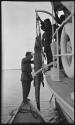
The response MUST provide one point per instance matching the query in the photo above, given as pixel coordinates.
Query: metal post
(36, 24)
(57, 53)
(51, 98)
(73, 24)
(53, 33)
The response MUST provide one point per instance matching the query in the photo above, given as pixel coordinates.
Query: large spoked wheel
(67, 46)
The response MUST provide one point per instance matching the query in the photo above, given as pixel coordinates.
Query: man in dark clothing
(47, 38)
(26, 76)
(59, 21)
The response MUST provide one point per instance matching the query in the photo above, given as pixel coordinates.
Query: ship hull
(63, 90)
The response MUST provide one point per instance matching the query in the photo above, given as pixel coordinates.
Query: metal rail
(68, 54)
(64, 22)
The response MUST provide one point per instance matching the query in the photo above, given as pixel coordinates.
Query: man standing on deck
(26, 76)
(47, 38)
(59, 21)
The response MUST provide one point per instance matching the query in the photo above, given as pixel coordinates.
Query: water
(12, 95)
(11, 92)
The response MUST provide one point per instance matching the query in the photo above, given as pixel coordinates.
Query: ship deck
(62, 90)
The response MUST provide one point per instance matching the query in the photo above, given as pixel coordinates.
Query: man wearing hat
(26, 76)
